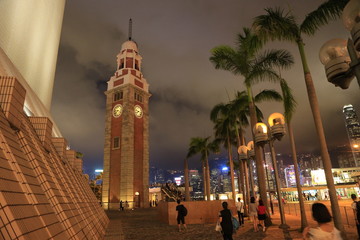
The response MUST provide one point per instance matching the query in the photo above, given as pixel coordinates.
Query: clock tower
(126, 150)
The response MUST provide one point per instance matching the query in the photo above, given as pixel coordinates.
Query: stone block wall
(41, 195)
(199, 212)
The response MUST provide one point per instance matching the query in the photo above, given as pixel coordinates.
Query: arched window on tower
(138, 97)
(121, 64)
(118, 96)
(137, 65)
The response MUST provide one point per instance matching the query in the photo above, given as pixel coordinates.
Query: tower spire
(130, 29)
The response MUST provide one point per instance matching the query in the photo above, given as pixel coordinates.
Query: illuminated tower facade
(126, 150)
(353, 129)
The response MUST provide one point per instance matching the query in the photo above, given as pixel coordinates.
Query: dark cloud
(175, 39)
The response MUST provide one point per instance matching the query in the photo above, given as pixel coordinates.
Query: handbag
(218, 226)
(235, 223)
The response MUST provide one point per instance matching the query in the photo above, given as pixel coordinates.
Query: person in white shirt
(240, 210)
(325, 230)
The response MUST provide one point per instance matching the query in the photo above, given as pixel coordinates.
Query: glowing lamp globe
(260, 133)
(242, 151)
(351, 20)
(277, 125)
(250, 147)
(335, 57)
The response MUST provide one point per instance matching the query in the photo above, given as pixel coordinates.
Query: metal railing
(346, 212)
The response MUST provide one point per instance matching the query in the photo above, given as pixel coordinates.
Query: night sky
(175, 38)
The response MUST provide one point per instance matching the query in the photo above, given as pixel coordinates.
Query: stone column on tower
(126, 150)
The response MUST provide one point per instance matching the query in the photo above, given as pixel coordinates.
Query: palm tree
(238, 111)
(203, 146)
(246, 61)
(224, 127)
(186, 173)
(289, 109)
(277, 25)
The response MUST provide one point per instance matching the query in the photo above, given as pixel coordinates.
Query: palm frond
(268, 95)
(216, 111)
(261, 75)
(274, 58)
(248, 43)
(288, 100)
(326, 12)
(276, 25)
(225, 58)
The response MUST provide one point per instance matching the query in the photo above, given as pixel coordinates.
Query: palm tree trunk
(246, 176)
(297, 177)
(247, 192)
(251, 176)
(242, 172)
(204, 178)
(232, 178)
(259, 158)
(186, 173)
(321, 137)
(207, 178)
(278, 187)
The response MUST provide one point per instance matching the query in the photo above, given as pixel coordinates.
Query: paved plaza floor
(144, 224)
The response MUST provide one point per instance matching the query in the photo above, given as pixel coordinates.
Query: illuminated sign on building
(318, 177)
(178, 181)
(290, 176)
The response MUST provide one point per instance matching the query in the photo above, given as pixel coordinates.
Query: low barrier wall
(199, 212)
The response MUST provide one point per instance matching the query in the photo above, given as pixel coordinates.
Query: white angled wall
(29, 35)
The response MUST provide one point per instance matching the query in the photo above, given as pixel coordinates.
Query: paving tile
(141, 224)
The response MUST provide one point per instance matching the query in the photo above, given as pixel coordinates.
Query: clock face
(138, 111)
(117, 110)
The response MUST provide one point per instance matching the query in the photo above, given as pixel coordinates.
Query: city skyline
(175, 40)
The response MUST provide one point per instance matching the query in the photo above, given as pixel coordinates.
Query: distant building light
(178, 181)
(99, 170)
(225, 168)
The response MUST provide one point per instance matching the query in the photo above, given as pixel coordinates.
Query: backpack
(358, 209)
(183, 211)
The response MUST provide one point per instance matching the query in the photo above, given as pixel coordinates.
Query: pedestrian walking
(240, 210)
(253, 213)
(262, 214)
(121, 206)
(182, 212)
(126, 204)
(355, 205)
(325, 229)
(225, 219)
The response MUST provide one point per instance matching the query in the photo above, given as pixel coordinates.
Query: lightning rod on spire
(130, 29)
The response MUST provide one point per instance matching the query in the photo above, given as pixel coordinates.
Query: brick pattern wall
(41, 195)
(12, 98)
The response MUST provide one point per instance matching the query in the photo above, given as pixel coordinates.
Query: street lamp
(251, 155)
(340, 57)
(262, 136)
(243, 157)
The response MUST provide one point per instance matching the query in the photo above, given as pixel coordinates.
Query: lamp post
(268, 182)
(260, 138)
(243, 156)
(341, 58)
(277, 131)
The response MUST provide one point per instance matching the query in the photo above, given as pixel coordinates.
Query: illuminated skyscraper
(353, 129)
